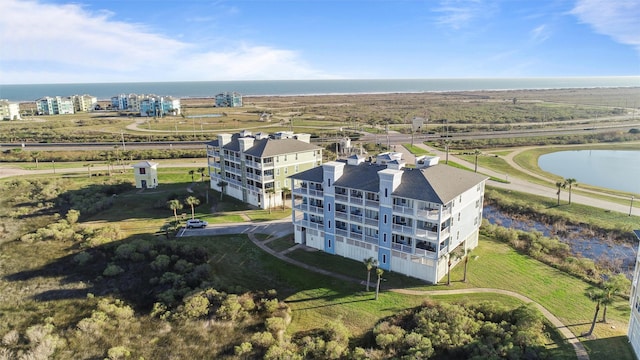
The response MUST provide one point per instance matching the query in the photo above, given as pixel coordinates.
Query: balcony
(355, 218)
(403, 209)
(356, 200)
(342, 215)
(371, 239)
(429, 214)
(427, 234)
(401, 247)
(371, 221)
(342, 198)
(301, 207)
(355, 235)
(342, 232)
(372, 203)
(316, 209)
(316, 193)
(425, 253)
(403, 229)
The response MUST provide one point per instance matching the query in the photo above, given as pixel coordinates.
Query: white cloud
(67, 43)
(459, 13)
(615, 18)
(539, 34)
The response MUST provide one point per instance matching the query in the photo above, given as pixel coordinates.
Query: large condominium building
(409, 219)
(254, 168)
(56, 105)
(229, 99)
(634, 301)
(9, 110)
(84, 103)
(146, 105)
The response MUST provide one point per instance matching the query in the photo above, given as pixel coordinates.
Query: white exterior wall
(468, 209)
(634, 301)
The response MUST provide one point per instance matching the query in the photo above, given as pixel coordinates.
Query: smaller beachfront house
(634, 301)
(146, 174)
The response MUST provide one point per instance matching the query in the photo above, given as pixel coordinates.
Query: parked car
(196, 223)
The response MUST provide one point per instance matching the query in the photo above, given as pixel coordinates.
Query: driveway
(275, 228)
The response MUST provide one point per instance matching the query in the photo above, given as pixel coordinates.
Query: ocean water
(197, 89)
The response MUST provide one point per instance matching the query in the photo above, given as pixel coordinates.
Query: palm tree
(285, 190)
(89, 166)
(570, 183)
(35, 155)
(379, 272)
(191, 172)
(476, 152)
(270, 191)
(596, 295)
(193, 202)
(222, 184)
(201, 172)
(611, 288)
(175, 205)
(446, 149)
(370, 263)
(466, 262)
(560, 185)
(457, 254)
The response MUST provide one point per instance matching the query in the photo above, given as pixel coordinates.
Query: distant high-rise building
(229, 99)
(84, 103)
(56, 105)
(9, 110)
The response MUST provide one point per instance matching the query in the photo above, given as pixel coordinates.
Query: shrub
(112, 270)
(82, 258)
(118, 353)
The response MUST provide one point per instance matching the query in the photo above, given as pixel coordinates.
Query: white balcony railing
(355, 218)
(401, 247)
(403, 229)
(342, 232)
(342, 215)
(426, 234)
(431, 214)
(342, 198)
(403, 209)
(370, 221)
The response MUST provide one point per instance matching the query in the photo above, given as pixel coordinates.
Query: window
(329, 243)
(385, 219)
(475, 221)
(386, 192)
(297, 168)
(277, 172)
(286, 170)
(384, 258)
(329, 182)
(329, 207)
(329, 226)
(143, 171)
(459, 216)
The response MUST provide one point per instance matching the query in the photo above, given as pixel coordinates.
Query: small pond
(611, 169)
(595, 248)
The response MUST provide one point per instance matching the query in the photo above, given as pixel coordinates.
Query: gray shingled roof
(438, 184)
(267, 147)
(272, 147)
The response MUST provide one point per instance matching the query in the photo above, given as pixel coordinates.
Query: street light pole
(631, 206)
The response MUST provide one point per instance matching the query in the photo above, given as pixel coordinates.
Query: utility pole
(124, 148)
(631, 206)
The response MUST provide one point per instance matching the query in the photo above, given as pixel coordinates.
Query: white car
(196, 223)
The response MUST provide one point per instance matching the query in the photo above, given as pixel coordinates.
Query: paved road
(524, 186)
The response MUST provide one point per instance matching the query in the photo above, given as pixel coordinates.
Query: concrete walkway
(284, 227)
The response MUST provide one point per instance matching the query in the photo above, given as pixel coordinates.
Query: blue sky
(56, 41)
